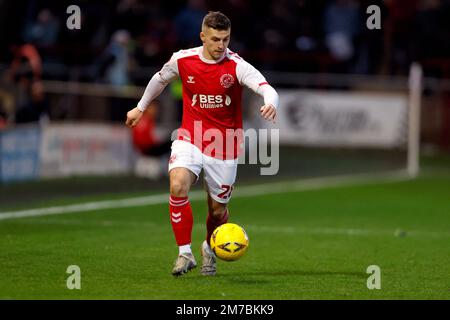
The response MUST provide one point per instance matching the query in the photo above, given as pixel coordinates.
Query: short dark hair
(217, 20)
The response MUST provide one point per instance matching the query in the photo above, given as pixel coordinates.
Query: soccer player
(212, 78)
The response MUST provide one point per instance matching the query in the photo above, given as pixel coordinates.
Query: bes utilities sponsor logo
(210, 101)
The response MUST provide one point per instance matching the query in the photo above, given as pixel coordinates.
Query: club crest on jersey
(226, 80)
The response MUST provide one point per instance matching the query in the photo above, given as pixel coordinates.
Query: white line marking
(253, 228)
(244, 191)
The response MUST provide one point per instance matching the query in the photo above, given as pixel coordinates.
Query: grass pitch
(314, 244)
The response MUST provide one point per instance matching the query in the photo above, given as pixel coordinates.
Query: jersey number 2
(227, 193)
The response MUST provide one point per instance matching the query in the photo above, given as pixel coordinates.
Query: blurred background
(346, 91)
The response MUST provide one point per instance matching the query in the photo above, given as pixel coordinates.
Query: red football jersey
(212, 94)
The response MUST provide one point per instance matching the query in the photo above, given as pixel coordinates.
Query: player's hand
(268, 112)
(133, 117)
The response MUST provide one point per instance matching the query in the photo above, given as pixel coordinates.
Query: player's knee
(179, 189)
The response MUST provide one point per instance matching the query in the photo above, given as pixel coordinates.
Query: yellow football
(229, 242)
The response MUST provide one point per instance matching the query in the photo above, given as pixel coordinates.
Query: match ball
(229, 242)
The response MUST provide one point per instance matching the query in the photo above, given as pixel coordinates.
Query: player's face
(215, 42)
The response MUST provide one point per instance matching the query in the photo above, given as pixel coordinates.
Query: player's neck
(205, 55)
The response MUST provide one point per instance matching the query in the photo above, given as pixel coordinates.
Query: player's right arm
(155, 86)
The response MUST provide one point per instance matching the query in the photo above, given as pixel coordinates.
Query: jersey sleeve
(159, 81)
(169, 71)
(249, 76)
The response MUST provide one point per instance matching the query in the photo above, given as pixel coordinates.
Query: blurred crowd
(294, 35)
(121, 40)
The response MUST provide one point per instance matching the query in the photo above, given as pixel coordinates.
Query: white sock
(185, 249)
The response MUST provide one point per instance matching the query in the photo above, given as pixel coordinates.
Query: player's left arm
(250, 77)
(271, 100)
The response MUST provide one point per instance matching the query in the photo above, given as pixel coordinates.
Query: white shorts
(220, 175)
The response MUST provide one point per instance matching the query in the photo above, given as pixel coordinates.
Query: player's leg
(219, 178)
(184, 168)
(181, 180)
(217, 215)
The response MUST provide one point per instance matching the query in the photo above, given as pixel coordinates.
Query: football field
(307, 241)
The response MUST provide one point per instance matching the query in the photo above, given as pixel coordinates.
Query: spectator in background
(342, 23)
(308, 29)
(34, 107)
(114, 67)
(146, 137)
(115, 62)
(28, 53)
(43, 31)
(189, 21)
(153, 148)
(25, 74)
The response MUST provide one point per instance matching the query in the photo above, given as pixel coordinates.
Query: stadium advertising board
(78, 149)
(337, 119)
(19, 154)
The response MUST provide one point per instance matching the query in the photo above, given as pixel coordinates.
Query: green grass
(303, 245)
